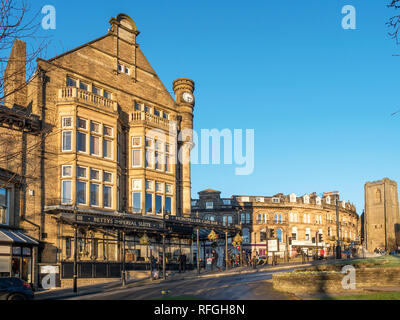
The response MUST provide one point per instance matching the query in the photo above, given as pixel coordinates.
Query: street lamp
(338, 248)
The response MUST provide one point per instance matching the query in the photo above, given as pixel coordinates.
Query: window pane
(66, 171)
(158, 161)
(95, 90)
(82, 123)
(107, 176)
(107, 131)
(158, 204)
(107, 94)
(81, 172)
(83, 85)
(67, 122)
(71, 82)
(149, 159)
(95, 127)
(149, 202)
(94, 145)
(136, 162)
(107, 148)
(67, 191)
(136, 184)
(66, 143)
(168, 188)
(136, 142)
(81, 141)
(81, 192)
(159, 187)
(156, 112)
(94, 194)
(137, 205)
(107, 190)
(94, 174)
(168, 206)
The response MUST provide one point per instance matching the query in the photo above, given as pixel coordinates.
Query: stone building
(381, 220)
(300, 223)
(107, 169)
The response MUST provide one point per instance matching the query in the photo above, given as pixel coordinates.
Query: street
(252, 286)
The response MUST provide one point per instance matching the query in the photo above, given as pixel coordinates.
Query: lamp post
(338, 248)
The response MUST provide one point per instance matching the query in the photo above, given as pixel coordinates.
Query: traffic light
(321, 238)
(271, 233)
(290, 241)
(263, 236)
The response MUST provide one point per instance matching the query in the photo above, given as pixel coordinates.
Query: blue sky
(319, 97)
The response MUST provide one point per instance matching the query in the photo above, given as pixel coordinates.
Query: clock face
(187, 97)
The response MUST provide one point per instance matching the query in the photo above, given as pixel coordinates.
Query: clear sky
(319, 97)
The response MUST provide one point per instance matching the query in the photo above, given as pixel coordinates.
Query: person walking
(184, 262)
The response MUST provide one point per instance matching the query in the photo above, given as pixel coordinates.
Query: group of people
(157, 265)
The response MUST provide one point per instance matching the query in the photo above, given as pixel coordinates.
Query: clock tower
(184, 88)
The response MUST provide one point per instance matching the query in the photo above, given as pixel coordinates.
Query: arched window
(290, 217)
(378, 196)
(276, 218)
(304, 218)
(295, 217)
(280, 219)
(279, 234)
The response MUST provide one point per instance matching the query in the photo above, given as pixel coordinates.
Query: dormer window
(328, 200)
(209, 205)
(306, 199)
(318, 201)
(292, 197)
(259, 199)
(276, 200)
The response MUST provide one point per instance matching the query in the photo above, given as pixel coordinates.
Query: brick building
(107, 174)
(306, 222)
(381, 220)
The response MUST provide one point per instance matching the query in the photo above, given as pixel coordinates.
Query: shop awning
(17, 237)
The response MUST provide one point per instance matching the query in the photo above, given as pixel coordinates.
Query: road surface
(251, 286)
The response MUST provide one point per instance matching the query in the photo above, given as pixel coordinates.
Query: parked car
(15, 289)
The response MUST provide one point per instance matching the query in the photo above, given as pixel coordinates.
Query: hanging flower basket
(144, 240)
(212, 236)
(237, 240)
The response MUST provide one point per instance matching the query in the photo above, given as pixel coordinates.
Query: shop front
(17, 254)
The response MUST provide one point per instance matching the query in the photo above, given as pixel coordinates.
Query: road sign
(273, 245)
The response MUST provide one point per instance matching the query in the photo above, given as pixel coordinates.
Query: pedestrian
(184, 262)
(254, 259)
(180, 262)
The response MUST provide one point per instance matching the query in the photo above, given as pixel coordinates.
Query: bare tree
(394, 21)
(18, 21)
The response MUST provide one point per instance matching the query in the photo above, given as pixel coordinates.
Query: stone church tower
(381, 217)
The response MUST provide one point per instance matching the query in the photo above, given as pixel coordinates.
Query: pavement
(232, 275)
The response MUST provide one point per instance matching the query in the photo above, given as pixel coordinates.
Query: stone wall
(319, 282)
